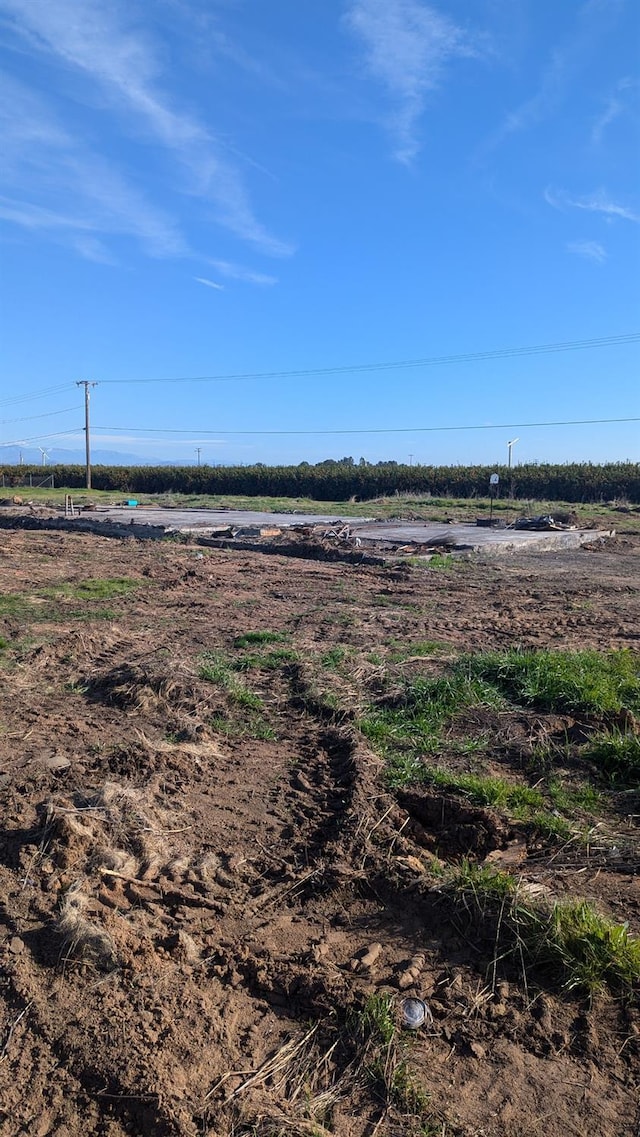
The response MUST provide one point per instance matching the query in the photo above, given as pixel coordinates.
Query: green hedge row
(341, 480)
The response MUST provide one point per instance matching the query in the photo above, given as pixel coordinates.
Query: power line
(429, 361)
(34, 395)
(372, 430)
(70, 433)
(30, 418)
(343, 369)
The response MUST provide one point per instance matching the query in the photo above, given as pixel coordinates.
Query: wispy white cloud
(536, 108)
(590, 250)
(565, 61)
(157, 441)
(615, 106)
(598, 202)
(239, 272)
(54, 183)
(99, 40)
(407, 46)
(209, 283)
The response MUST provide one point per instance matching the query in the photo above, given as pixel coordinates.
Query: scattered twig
(3, 1052)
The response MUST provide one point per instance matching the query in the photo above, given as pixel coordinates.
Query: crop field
(251, 805)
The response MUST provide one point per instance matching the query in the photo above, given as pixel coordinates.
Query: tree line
(341, 479)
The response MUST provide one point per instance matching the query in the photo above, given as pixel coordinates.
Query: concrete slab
(186, 519)
(493, 542)
(254, 528)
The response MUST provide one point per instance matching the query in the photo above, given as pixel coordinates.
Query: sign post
(494, 482)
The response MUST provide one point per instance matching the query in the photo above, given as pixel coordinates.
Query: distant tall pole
(411, 459)
(198, 448)
(87, 438)
(511, 445)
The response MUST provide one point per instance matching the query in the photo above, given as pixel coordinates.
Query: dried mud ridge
(194, 921)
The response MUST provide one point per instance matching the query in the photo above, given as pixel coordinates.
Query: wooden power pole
(87, 438)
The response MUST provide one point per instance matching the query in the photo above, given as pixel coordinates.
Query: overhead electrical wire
(371, 430)
(429, 361)
(70, 433)
(345, 369)
(30, 418)
(15, 399)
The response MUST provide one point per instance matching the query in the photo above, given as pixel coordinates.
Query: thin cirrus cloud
(598, 202)
(98, 40)
(616, 105)
(566, 61)
(54, 184)
(209, 283)
(590, 250)
(407, 46)
(240, 273)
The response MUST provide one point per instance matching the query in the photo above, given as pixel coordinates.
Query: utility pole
(511, 445)
(87, 384)
(411, 459)
(198, 449)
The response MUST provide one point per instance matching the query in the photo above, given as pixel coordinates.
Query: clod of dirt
(366, 962)
(411, 974)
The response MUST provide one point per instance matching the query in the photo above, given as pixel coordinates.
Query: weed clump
(570, 940)
(617, 755)
(217, 670)
(251, 639)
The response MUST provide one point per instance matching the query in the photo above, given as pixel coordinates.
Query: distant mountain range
(12, 455)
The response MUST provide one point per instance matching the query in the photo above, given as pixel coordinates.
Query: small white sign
(494, 479)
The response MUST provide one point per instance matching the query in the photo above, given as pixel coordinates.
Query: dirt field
(218, 883)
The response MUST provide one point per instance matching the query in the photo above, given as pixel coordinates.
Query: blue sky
(224, 187)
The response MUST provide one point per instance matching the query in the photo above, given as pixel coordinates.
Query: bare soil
(202, 883)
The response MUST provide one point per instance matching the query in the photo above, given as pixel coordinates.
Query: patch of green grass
(570, 940)
(549, 824)
(496, 792)
(376, 1020)
(412, 726)
(568, 799)
(485, 883)
(93, 589)
(592, 949)
(383, 1055)
(443, 562)
(216, 669)
(617, 755)
(251, 639)
(265, 661)
(577, 682)
(4, 644)
(13, 605)
(332, 659)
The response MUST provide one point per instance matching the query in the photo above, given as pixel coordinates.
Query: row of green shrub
(341, 480)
